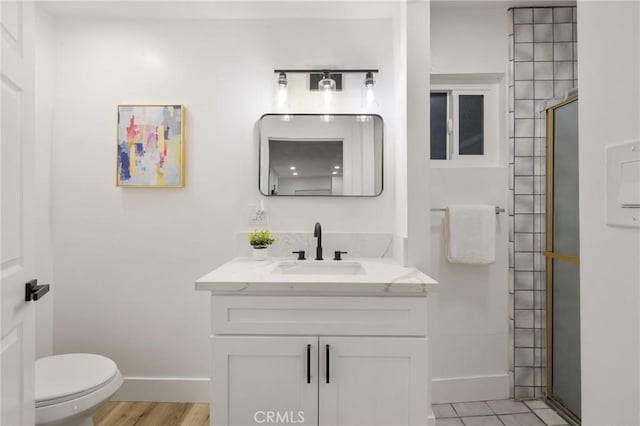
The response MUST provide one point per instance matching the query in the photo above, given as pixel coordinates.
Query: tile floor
(497, 413)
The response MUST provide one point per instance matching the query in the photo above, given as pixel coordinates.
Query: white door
(374, 381)
(17, 250)
(264, 380)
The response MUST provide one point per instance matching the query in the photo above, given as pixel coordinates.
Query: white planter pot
(260, 253)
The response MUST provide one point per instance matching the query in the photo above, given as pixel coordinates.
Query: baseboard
(164, 389)
(474, 388)
(196, 389)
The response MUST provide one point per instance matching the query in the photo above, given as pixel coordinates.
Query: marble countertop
(382, 277)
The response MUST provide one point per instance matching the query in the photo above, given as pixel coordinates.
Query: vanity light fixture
(282, 80)
(327, 83)
(369, 93)
(282, 91)
(327, 79)
(327, 86)
(369, 81)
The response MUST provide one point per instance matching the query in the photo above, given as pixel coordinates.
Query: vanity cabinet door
(260, 379)
(373, 381)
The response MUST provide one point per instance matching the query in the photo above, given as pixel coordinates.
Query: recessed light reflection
(334, 173)
(336, 167)
(292, 168)
(295, 173)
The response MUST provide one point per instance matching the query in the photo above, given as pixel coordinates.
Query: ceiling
(506, 4)
(219, 9)
(261, 9)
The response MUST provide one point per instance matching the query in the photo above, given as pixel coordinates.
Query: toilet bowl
(69, 386)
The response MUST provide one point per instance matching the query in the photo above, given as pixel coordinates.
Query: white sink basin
(312, 267)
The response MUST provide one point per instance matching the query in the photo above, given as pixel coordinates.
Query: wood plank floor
(122, 413)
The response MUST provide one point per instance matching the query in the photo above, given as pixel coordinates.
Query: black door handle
(308, 363)
(327, 361)
(33, 291)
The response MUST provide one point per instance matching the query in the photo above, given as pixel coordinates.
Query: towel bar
(498, 210)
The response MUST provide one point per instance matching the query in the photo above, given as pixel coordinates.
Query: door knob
(33, 291)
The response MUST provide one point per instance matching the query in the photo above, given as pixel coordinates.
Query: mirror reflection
(321, 155)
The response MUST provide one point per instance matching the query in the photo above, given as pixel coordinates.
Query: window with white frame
(464, 124)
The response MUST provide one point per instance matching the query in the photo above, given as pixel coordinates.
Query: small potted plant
(260, 241)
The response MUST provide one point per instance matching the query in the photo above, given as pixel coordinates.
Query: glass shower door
(563, 254)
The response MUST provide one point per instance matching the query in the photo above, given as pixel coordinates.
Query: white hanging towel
(471, 234)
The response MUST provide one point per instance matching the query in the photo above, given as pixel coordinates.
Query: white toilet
(69, 386)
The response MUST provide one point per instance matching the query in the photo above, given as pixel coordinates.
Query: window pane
(438, 126)
(471, 124)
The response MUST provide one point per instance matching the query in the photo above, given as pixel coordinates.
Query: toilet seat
(70, 385)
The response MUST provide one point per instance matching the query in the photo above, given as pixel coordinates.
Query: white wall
(469, 322)
(44, 102)
(470, 38)
(469, 325)
(417, 150)
(400, 133)
(609, 90)
(126, 259)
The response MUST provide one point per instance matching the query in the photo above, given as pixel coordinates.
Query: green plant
(260, 238)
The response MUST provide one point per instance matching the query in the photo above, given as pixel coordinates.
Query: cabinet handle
(327, 360)
(308, 363)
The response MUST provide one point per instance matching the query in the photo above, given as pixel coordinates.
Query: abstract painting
(151, 145)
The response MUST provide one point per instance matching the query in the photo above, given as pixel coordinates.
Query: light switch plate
(623, 184)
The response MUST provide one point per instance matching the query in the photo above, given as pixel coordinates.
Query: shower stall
(562, 254)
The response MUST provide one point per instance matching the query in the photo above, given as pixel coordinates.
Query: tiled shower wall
(543, 66)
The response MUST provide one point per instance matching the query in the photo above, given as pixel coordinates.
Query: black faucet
(317, 232)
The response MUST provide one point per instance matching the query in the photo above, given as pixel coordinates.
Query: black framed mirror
(331, 155)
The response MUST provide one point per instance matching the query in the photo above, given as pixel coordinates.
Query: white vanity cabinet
(319, 360)
(319, 349)
(373, 381)
(253, 376)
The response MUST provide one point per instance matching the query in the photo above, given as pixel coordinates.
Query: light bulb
(369, 92)
(327, 86)
(282, 96)
(327, 95)
(282, 80)
(282, 91)
(327, 83)
(370, 95)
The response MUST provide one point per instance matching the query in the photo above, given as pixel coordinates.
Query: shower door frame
(550, 256)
